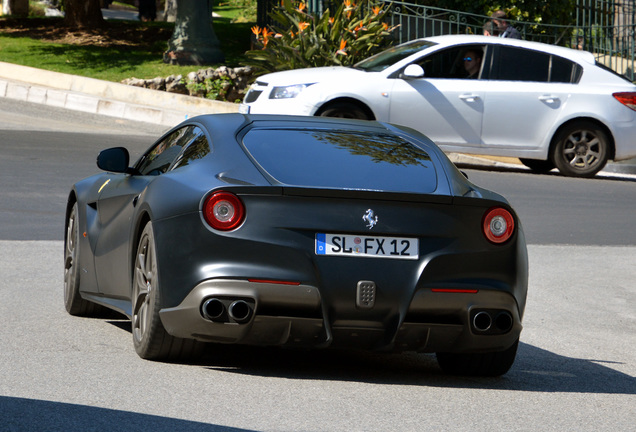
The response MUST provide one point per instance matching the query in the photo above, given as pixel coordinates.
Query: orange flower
(385, 26)
(331, 20)
(302, 25)
(301, 7)
(376, 10)
(266, 34)
(343, 44)
(256, 30)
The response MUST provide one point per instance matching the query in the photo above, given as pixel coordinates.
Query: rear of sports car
(360, 241)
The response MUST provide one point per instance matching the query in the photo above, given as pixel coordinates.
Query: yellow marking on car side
(104, 185)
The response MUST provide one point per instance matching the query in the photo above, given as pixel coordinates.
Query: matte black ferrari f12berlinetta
(300, 232)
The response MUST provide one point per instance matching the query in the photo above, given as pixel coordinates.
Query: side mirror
(114, 160)
(413, 71)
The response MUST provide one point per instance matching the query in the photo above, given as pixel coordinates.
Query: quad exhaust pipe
(240, 311)
(227, 310)
(492, 322)
(213, 309)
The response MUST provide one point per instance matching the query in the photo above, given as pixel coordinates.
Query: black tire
(478, 364)
(150, 338)
(537, 165)
(581, 149)
(346, 110)
(73, 301)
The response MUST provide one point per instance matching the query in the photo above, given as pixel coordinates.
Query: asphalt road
(575, 370)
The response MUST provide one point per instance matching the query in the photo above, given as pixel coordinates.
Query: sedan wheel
(74, 303)
(344, 110)
(149, 336)
(581, 150)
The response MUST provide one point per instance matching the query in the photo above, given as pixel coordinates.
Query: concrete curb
(103, 97)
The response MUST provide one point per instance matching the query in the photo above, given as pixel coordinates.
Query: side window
(517, 64)
(564, 71)
(164, 154)
(454, 63)
(196, 149)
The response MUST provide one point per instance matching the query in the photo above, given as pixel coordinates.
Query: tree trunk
(193, 41)
(15, 7)
(83, 14)
(170, 11)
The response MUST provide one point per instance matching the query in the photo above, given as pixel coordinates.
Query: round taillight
(498, 225)
(223, 211)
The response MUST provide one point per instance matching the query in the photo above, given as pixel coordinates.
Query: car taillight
(223, 211)
(498, 225)
(626, 98)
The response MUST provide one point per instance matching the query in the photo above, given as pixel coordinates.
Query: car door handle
(469, 97)
(549, 98)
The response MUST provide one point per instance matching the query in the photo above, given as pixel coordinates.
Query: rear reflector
(626, 98)
(273, 282)
(454, 291)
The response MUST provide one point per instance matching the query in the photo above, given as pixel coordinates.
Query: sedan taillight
(626, 98)
(223, 211)
(499, 225)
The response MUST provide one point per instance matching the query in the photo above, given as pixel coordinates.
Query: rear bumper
(296, 316)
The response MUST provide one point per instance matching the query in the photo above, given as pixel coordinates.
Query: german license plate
(367, 246)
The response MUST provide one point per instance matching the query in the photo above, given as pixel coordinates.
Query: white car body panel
(495, 117)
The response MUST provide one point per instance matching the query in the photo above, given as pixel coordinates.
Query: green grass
(116, 63)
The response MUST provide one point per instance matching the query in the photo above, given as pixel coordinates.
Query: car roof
(569, 53)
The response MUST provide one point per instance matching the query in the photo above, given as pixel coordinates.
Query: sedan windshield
(389, 57)
(342, 159)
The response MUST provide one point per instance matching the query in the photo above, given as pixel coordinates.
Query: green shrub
(299, 39)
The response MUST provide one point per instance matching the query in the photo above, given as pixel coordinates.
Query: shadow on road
(24, 415)
(535, 369)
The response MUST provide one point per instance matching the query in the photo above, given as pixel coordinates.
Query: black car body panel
(269, 265)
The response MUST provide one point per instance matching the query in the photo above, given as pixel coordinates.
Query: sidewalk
(103, 97)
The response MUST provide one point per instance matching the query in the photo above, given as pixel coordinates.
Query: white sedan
(547, 105)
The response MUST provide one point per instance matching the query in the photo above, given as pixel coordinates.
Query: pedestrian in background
(489, 29)
(500, 23)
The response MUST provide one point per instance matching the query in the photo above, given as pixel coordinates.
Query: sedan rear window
(342, 159)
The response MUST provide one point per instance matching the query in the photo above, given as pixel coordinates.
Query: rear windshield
(342, 159)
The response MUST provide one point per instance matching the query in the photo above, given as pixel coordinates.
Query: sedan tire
(346, 110)
(581, 149)
(478, 364)
(150, 338)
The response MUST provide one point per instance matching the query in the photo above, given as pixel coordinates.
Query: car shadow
(554, 173)
(22, 415)
(535, 369)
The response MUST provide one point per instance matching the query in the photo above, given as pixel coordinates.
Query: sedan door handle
(549, 98)
(469, 97)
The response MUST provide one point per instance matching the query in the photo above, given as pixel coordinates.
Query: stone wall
(222, 83)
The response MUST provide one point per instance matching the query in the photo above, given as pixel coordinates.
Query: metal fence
(604, 27)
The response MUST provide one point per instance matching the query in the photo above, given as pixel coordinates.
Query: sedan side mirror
(413, 71)
(114, 160)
